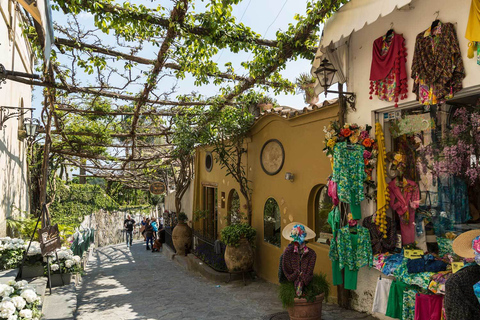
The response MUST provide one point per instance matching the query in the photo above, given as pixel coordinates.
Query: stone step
(61, 304)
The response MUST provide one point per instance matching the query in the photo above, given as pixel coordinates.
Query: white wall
(187, 201)
(409, 23)
(13, 162)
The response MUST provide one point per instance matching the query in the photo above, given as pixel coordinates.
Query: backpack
(154, 225)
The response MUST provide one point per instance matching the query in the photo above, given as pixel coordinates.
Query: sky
(263, 16)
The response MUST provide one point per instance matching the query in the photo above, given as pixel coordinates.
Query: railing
(88, 237)
(204, 249)
(168, 238)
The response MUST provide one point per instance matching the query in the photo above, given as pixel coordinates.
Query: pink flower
(367, 154)
(364, 135)
(476, 245)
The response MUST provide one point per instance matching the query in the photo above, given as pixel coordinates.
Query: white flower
(55, 267)
(6, 299)
(6, 290)
(29, 295)
(19, 302)
(26, 314)
(34, 248)
(69, 263)
(7, 308)
(77, 259)
(13, 317)
(11, 282)
(21, 284)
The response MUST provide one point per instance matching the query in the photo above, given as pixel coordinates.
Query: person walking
(148, 233)
(155, 227)
(142, 228)
(129, 225)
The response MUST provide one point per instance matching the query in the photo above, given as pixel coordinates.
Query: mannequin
(404, 199)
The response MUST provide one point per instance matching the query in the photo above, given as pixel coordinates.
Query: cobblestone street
(124, 283)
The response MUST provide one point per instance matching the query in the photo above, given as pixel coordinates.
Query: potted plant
(301, 292)
(61, 269)
(20, 301)
(310, 303)
(33, 266)
(266, 103)
(306, 82)
(182, 235)
(240, 239)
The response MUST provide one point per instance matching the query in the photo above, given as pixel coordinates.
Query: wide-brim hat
(462, 245)
(287, 231)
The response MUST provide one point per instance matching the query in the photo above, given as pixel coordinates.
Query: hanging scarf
(473, 29)
(383, 194)
(393, 61)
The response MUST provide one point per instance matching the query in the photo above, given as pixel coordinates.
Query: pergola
(131, 159)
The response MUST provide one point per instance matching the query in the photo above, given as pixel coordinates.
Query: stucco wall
(13, 164)
(409, 23)
(187, 201)
(302, 139)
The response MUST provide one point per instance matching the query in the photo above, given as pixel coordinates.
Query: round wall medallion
(209, 161)
(272, 157)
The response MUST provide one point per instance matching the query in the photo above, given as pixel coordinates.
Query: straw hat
(462, 245)
(288, 230)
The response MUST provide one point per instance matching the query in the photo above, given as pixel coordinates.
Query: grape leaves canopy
(112, 106)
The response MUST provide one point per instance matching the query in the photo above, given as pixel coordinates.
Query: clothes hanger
(436, 21)
(389, 32)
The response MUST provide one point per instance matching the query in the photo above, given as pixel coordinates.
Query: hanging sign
(158, 187)
(49, 239)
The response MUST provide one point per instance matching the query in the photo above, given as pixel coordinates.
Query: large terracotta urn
(310, 96)
(304, 310)
(182, 238)
(239, 259)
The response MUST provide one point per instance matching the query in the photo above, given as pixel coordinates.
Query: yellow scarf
(383, 194)
(473, 27)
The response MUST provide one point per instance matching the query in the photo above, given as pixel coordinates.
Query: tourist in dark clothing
(149, 233)
(129, 224)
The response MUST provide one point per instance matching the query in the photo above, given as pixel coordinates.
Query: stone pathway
(135, 283)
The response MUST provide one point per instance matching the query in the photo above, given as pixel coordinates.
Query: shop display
(382, 291)
(298, 261)
(381, 242)
(404, 199)
(437, 66)
(395, 300)
(352, 249)
(473, 30)
(383, 193)
(388, 75)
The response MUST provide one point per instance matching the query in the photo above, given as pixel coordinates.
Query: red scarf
(382, 65)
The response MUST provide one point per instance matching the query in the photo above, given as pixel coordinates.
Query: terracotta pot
(182, 238)
(310, 96)
(303, 310)
(265, 106)
(239, 259)
(56, 279)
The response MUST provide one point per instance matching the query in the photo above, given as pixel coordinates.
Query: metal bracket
(7, 113)
(3, 75)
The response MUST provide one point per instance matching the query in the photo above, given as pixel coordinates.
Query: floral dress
(349, 172)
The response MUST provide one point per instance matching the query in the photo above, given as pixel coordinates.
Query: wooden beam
(100, 157)
(113, 135)
(117, 113)
(103, 92)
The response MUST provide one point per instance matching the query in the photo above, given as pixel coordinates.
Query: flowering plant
(19, 301)
(458, 154)
(67, 262)
(352, 133)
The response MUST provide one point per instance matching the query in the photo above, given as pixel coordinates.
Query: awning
(41, 11)
(352, 17)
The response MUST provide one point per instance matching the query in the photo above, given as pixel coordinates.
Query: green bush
(182, 216)
(231, 235)
(318, 285)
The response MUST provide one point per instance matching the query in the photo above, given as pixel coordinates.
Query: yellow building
(281, 141)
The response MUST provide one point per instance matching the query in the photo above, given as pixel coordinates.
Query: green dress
(349, 174)
(334, 222)
(352, 251)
